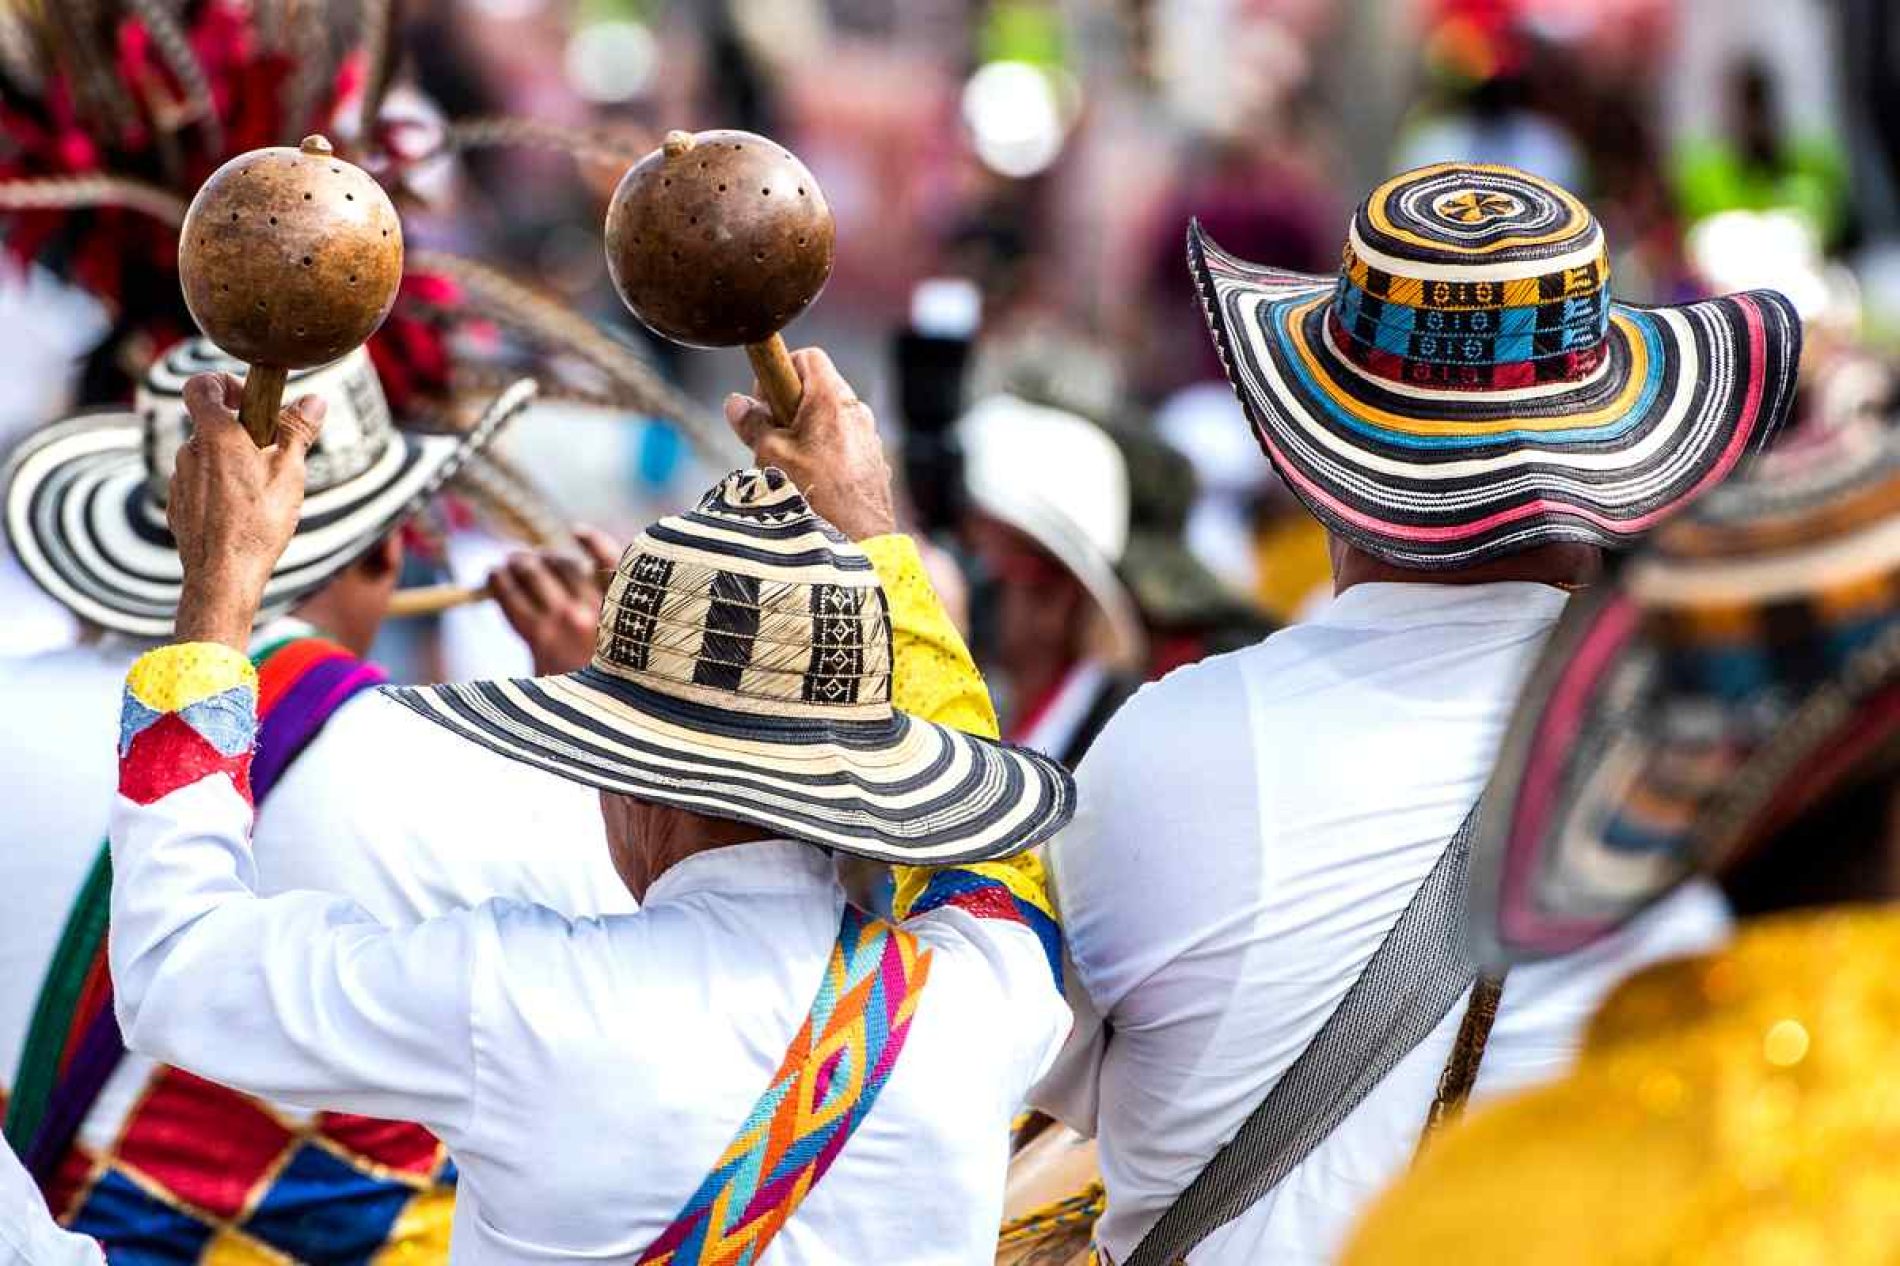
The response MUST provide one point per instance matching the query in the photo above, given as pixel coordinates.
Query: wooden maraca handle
(263, 397)
(426, 600)
(778, 378)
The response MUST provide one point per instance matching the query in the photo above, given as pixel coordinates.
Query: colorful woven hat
(1741, 668)
(743, 669)
(1466, 387)
(85, 497)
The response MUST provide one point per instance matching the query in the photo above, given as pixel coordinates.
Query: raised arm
(833, 453)
(302, 997)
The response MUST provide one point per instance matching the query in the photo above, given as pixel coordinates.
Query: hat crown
(357, 429)
(1472, 276)
(753, 603)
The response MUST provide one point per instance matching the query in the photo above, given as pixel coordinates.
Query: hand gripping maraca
(720, 239)
(290, 258)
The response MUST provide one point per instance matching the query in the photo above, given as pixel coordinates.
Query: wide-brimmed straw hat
(743, 670)
(1742, 668)
(1465, 387)
(1059, 479)
(85, 497)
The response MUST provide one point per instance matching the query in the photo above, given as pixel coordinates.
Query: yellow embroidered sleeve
(189, 713)
(933, 677)
(172, 678)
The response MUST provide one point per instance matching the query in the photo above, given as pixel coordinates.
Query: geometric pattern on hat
(743, 669)
(1742, 668)
(1466, 387)
(85, 497)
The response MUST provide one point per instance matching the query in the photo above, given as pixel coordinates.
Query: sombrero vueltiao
(85, 497)
(1742, 667)
(1466, 388)
(743, 670)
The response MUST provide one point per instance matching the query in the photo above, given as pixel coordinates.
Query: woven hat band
(791, 648)
(1497, 334)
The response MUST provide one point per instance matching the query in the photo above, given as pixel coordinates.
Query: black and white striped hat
(85, 497)
(743, 670)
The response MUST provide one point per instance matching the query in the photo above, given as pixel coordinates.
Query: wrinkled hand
(553, 600)
(831, 450)
(234, 507)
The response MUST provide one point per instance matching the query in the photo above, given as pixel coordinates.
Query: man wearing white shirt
(144, 1157)
(1048, 523)
(1473, 420)
(599, 1082)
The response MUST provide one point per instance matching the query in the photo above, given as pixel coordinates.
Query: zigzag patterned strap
(825, 1087)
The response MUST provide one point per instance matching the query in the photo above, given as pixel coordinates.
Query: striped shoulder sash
(824, 1088)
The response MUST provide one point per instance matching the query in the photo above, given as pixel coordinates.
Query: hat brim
(900, 790)
(81, 521)
(1605, 798)
(1433, 478)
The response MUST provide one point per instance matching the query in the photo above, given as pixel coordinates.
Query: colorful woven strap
(825, 1087)
(73, 1042)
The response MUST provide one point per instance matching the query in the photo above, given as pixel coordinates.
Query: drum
(1051, 1202)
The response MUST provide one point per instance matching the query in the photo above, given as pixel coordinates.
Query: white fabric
(585, 1075)
(383, 806)
(1248, 831)
(28, 1234)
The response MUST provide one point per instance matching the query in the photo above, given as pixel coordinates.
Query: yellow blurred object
(1291, 563)
(1739, 1108)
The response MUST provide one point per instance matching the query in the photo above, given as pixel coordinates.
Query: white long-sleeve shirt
(1248, 830)
(399, 814)
(585, 1075)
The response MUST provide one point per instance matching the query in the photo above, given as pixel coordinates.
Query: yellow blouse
(1740, 1107)
(935, 678)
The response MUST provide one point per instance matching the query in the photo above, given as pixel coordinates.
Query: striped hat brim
(898, 790)
(1439, 478)
(82, 522)
(1631, 765)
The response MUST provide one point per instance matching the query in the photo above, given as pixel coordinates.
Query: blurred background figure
(1046, 157)
(1188, 612)
(1047, 525)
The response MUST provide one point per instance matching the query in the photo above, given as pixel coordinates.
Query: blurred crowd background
(1012, 180)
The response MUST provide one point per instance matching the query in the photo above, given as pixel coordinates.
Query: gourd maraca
(720, 239)
(289, 258)
(716, 239)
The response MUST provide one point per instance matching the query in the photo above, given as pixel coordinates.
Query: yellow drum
(1052, 1201)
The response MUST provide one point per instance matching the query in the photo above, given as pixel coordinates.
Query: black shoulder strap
(1410, 983)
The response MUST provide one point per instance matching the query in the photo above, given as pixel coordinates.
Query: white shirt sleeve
(28, 1234)
(300, 997)
(1173, 769)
